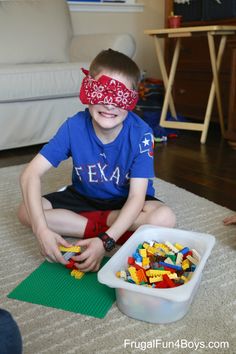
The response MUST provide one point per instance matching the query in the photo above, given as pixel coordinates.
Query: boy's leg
(69, 223)
(101, 217)
(154, 213)
(64, 222)
(90, 224)
(23, 214)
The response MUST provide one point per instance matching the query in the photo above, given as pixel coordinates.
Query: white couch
(40, 62)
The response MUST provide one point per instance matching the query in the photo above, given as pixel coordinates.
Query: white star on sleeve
(146, 141)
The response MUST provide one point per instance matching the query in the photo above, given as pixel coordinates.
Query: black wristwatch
(108, 242)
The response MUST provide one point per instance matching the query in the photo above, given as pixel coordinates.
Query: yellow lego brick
(184, 279)
(77, 274)
(131, 269)
(155, 279)
(157, 245)
(173, 276)
(146, 245)
(151, 250)
(179, 247)
(75, 249)
(133, 274)
(164, 248)
(155, 272)
(159, 252)
(185, 264)
(143, 252)
(145, 261)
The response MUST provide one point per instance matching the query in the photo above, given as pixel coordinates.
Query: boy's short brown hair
(116, 62)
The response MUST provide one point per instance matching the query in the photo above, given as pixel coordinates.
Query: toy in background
(151, 94)
(149, 106)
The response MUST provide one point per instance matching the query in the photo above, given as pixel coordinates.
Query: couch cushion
(34, 31)
(29, 82)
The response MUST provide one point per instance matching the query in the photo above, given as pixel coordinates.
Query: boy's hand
(92, 256)
(49, 242)
(230, 220)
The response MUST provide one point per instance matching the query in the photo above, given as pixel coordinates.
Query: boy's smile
(107, 114)
(107, 121)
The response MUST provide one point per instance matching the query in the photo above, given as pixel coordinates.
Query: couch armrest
(85, 47)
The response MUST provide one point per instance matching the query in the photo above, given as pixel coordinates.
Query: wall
(134, 23)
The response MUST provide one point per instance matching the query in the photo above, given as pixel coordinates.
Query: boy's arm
(94, 252)
(131, 209)
(30, 181)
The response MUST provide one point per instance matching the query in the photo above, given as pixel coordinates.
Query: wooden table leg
(160, 57)
(215, 64)
(170, 82)
(212, 90)
(230, 133)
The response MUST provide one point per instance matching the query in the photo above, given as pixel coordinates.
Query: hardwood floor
(207, 170)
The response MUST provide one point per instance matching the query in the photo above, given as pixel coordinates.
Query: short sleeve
(142, 166)
(58, 148)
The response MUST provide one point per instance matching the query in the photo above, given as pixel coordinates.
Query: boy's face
(109, 116)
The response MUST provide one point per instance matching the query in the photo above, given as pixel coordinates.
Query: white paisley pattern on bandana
(107, 91)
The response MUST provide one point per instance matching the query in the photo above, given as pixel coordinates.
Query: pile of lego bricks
(160, 265)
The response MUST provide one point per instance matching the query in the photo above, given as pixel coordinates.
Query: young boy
(112, 153)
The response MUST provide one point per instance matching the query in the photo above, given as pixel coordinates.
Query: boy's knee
(170, 218)
(22, 214)
(163, 216)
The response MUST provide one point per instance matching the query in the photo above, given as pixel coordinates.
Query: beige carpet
(212, 316)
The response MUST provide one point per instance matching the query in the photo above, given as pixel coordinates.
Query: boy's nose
(109, 107)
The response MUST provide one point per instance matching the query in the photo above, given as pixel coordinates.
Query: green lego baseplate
(52, 285)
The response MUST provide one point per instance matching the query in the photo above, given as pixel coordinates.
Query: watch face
(108, 242)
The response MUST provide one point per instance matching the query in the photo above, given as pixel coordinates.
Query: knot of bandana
(107, 91)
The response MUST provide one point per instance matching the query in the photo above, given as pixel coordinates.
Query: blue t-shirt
(103, 170)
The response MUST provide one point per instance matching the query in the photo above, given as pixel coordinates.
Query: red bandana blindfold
(107, 91)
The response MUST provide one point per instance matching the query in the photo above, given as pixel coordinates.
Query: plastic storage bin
(151, 304)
